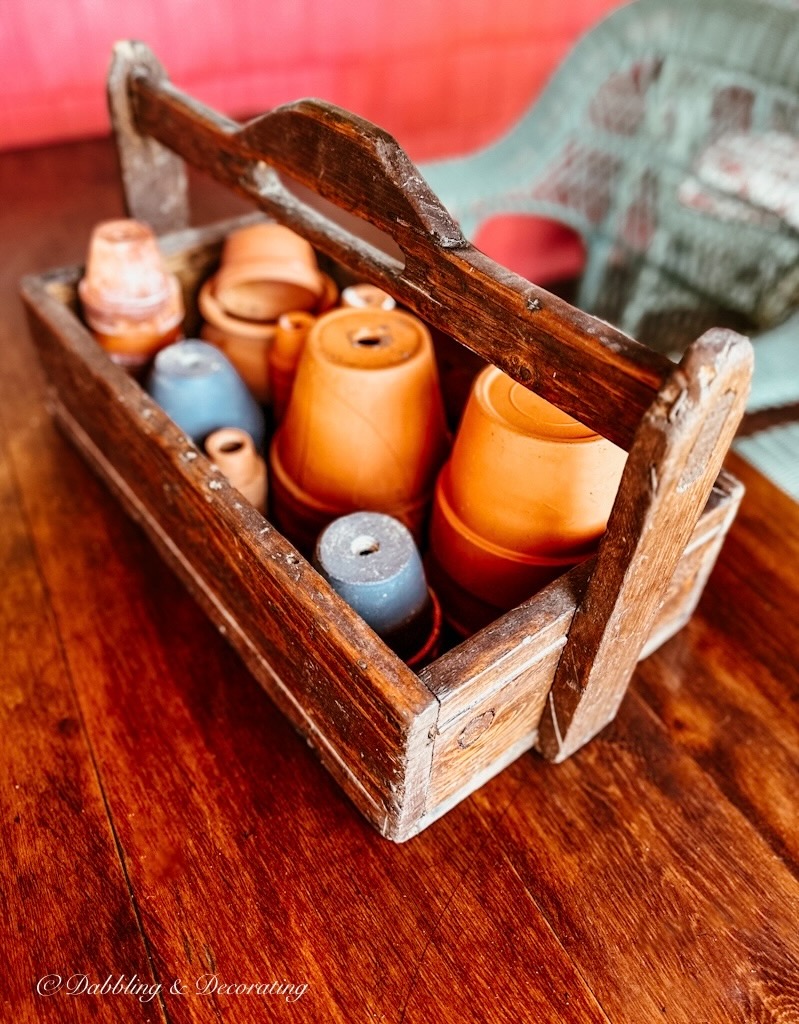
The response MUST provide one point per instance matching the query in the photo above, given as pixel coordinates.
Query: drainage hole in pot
(370, 337)
(364, 545)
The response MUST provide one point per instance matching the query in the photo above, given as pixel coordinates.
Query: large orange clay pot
(131, 302)
(525, 495)
(364, 428)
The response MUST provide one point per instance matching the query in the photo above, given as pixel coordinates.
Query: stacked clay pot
(131, 302)
(284, 356)
(266, 270)
(364, 427)
(525, 496)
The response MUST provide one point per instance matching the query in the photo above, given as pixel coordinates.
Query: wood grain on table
(161, 819)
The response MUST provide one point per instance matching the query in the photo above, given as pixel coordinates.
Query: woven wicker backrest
(669, 139)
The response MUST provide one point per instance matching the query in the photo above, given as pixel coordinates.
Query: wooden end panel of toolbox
(494, 687)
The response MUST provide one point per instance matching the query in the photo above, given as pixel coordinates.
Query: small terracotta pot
(371, 560)
(525, 495)
(248, 344)
(366, 296)
(131, 302)
(267, 270)
(201, 391)
(233, 451)
(292, 330)
(364, 428)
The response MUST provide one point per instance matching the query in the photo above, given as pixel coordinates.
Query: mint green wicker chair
(669, 140)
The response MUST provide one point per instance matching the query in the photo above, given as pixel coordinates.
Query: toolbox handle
(586, 367)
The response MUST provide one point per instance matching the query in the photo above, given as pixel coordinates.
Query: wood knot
(475, 729)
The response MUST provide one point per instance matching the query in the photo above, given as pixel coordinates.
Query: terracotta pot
(248, 344)
(245, 343)
(366, 296)
(292, 330)
(525, 495)
(233, 451)
(466, 614)
(131, 302)
(201, 391)
(371, 560)
(364, 428)
(267, 270)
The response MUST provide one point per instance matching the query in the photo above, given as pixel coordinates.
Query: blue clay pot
(370, 559)
(200, 390)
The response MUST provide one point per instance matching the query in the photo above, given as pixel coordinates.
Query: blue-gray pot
(197, 386)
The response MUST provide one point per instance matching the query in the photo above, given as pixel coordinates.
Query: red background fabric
(443, 78)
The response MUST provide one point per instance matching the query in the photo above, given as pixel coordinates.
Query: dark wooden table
(161, 822)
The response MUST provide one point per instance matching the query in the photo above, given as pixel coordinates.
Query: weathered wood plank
(668, 478)
(154, 178)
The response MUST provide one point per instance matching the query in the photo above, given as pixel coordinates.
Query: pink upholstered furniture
(442, 78)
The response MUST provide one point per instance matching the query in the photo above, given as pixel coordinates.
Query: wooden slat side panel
(338, 680)
(498, 707)
(153, 177)
(696, 564)
(507, 719)
(486, 661)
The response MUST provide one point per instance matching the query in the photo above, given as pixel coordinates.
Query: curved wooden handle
(355, 165)
(585, 366)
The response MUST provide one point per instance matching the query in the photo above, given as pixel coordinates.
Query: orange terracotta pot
(366, 296)
(525, 495)
(284, 356)
(233, 451)
(365, 427)
(246, 343)
(466, 614)
(267, 270)
(131, 302)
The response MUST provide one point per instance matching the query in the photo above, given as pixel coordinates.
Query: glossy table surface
(172, 851)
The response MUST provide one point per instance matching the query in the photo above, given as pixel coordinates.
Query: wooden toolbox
(551, 673)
